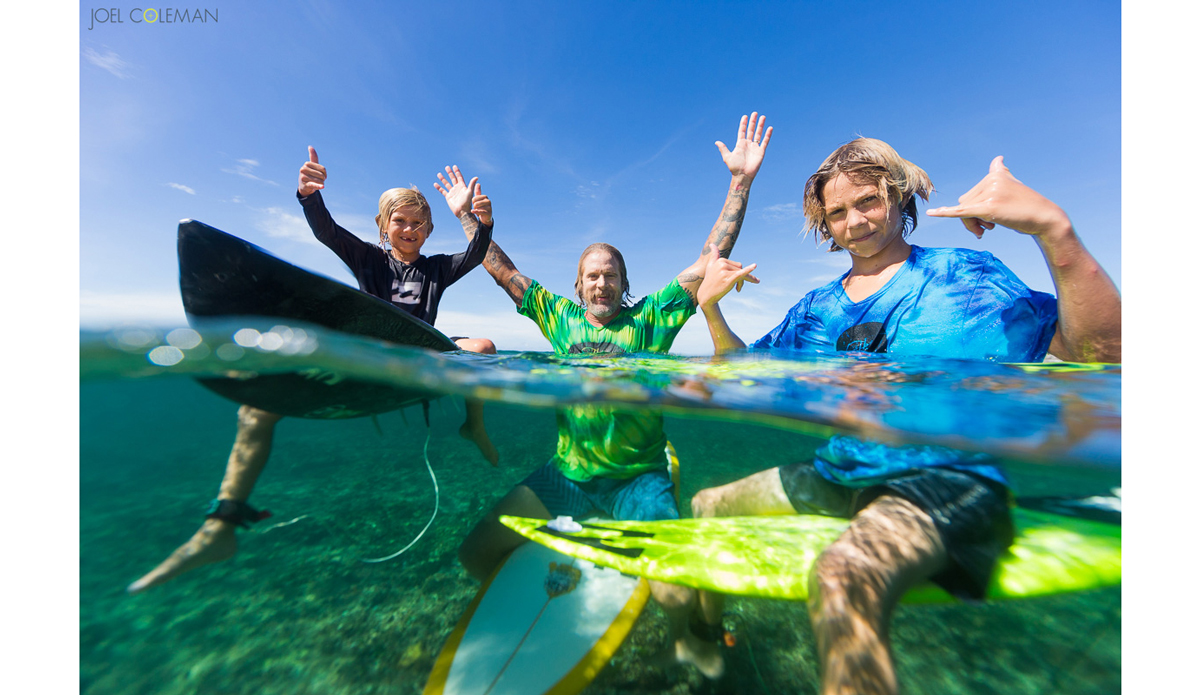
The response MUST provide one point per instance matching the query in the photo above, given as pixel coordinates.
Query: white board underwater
(543, 623)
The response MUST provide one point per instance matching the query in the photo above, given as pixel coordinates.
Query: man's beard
(603, 311)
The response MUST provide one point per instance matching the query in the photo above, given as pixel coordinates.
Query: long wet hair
(626, 298)
(866, 161)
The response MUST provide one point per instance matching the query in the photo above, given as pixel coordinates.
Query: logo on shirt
(589, 348)
(406, 292)
(865, 337)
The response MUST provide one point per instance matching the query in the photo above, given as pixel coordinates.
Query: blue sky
(585, 122)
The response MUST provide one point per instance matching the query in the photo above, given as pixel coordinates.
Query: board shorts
(970, 512)
(646, 497)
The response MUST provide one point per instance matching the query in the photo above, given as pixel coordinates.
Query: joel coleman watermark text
(150, 15)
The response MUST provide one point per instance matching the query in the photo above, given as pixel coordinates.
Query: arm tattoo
(725, 232)
(470, 225)
(686, 277)
(496, 261)
(517, 286)
(506, 275)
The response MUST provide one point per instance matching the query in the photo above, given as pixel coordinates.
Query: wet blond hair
(626, 298)
(866, 161)
(397, 198)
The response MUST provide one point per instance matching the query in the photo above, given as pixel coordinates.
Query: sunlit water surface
(297, 611)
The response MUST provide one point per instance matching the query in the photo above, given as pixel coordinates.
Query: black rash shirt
(414, 287)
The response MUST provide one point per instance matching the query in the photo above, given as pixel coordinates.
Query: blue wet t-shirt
(943, 302)
(953, 303)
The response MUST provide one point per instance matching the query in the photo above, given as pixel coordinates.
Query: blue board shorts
(970, 512)
(646, 497)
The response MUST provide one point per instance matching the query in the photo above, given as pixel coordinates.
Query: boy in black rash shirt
(394, 271)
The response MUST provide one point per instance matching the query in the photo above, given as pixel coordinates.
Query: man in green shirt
(610, 460)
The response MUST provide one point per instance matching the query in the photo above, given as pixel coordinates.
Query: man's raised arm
(459, 195)
(1089, 306)
(506, 275)
(743, 162)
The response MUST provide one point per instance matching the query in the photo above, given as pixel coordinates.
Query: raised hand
(747, 154)
(481, 205)
(458, 194)
(312, 174)
(720, 276)
(1000, 199)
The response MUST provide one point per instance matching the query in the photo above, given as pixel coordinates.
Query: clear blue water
(296, 611)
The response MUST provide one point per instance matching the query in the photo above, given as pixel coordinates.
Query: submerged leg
(683, 645)
(491, 541)
(216, 541)
(758, 494)
(890, 546)
(473, 429)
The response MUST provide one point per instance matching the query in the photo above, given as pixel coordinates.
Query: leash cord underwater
(741, 625)
(436, 503)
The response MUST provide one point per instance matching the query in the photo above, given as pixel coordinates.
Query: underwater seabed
(297, 611)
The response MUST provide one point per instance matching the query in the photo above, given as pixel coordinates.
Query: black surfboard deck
(222, 276)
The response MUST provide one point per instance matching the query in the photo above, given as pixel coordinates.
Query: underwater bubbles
(184, 338)
(247, 337)
(230, 352)
(280, 339)
(132, 338)
(165, 355)
(270, 341)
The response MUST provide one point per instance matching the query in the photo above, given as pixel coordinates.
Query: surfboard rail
(222, 276)
(770, 556)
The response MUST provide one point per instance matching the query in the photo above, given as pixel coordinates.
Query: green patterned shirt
(601, 441)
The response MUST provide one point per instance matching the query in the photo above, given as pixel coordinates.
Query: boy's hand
(312, 175)
(481, 206)
(1000, 199)
(747, 154)
(458, 194)
(721, 276)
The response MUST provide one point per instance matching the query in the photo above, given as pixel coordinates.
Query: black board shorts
(970, 512)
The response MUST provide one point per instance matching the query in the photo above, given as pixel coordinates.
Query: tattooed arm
(743, 162)
(505, 273)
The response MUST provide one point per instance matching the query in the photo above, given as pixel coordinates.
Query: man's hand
(458, 194)
(312, 175)
(720, 276)
(1000, 199)
(747, 154)
(481, 206)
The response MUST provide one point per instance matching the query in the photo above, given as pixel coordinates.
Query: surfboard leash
(741, 628)
(437, 495)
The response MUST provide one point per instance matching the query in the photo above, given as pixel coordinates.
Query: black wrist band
(235, 512)
(705, 631)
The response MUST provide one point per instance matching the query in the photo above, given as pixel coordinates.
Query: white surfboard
(543, 623)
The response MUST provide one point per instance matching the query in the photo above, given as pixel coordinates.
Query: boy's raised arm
(720, 276)
(1089, 306)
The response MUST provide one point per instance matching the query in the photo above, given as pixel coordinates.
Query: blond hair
(866, 161)
(397, 198)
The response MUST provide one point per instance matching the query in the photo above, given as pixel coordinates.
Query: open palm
(747, 154)
(457, 193)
